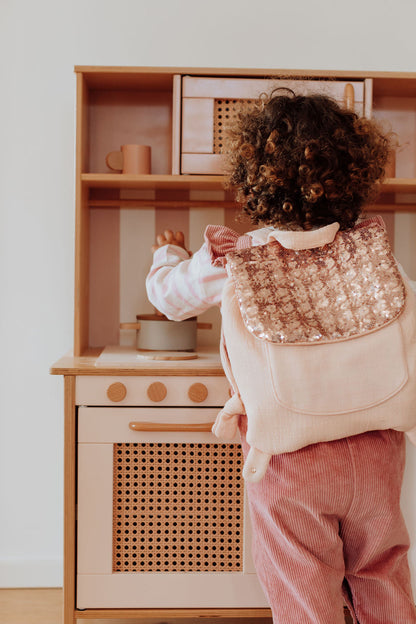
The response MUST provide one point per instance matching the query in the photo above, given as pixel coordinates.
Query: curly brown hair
(303, 161)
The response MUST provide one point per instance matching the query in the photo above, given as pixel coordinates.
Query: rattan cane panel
(225, 111)
(177, 507)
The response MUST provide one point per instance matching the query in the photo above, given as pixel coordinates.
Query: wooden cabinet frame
(100, 91)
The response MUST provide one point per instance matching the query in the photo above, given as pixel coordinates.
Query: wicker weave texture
(225, 112)
(177, 507)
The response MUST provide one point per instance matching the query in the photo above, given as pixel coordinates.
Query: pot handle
(130, 326)
(137, 326)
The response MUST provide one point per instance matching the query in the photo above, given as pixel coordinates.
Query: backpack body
(319, 342)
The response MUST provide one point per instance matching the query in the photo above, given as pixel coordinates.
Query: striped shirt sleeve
(180, 286)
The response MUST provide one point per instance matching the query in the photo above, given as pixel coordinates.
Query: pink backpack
(319, 340)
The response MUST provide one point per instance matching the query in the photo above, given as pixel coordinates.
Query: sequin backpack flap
(319, 342)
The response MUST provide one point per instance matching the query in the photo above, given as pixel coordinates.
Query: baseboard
(16, 572)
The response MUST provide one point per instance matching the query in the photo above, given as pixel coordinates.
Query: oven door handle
(153, 426)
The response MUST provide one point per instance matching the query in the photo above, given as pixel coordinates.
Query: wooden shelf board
(208, 182)
(153, 182)
(399, 185)
(171, 204)
(209, 365)
(382, 207)
(169, 614)
(106, 70)
(402, 84)
(392, 186)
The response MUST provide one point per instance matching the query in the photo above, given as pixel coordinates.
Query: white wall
(40, 42)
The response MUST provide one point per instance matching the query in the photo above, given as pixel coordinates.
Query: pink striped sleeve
(179, 286)
(220, 240)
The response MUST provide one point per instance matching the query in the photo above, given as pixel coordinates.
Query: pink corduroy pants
(327, 526)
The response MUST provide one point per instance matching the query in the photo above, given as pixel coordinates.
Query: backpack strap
(376, 219)
(221, 240)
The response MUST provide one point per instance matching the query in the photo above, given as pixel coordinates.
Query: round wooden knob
(157, 391)
(116, 392)
(198, 392)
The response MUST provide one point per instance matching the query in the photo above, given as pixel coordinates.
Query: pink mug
(133, 159)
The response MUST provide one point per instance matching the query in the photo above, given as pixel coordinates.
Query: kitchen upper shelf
(399, 185)
(201, 182)
(154, 182)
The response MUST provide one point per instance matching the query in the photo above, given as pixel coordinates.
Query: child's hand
(169, 238)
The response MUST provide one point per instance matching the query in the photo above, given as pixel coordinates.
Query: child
(326, 518)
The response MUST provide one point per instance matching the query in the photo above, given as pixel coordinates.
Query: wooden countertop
(122, 361)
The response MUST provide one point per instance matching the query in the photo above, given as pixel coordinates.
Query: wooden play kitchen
(156, 519)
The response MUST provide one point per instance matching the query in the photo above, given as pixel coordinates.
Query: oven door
(162, 514)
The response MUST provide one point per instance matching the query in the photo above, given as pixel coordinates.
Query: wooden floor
(31, 606)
